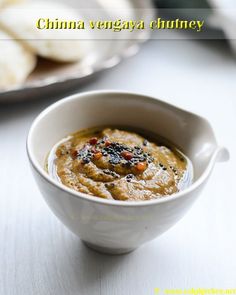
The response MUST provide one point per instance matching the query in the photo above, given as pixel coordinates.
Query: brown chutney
(118, 165)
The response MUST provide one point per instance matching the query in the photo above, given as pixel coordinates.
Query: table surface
(39, 256)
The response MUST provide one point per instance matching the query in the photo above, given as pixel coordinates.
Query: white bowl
(116, 226)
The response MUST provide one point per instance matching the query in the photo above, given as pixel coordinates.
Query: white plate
(50, 78)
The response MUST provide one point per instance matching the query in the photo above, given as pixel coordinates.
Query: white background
(38, 255)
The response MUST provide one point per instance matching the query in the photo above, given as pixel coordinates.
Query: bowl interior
(191, 133)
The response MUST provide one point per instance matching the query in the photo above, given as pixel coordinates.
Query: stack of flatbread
(21, 43)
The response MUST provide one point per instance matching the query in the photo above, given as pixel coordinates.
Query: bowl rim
(33, 161)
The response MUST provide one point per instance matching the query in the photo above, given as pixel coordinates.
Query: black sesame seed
(86, 160)
(145, 142)
(119, 149)
(141, 159)
(107, 171)
(114, 161)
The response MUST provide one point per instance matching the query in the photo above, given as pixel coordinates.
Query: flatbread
(4, 3)
(16, 62)
(50, 44)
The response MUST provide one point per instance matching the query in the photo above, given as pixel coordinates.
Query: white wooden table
(39, 256)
